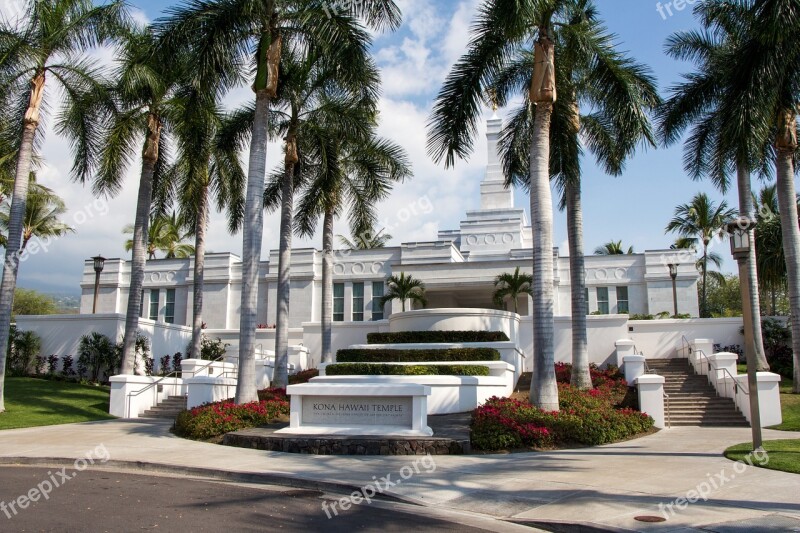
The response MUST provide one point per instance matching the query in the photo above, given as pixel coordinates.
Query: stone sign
(357, 411)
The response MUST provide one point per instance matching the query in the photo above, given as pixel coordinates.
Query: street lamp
(99, 264)
(741, 234)
(673, 273)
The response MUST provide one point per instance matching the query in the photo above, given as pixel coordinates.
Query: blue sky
(634, 207)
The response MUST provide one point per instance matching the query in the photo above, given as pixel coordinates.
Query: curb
(281, 480)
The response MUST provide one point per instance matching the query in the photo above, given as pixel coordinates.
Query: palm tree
(225, 38)
(348, 174)
(502, 27)
(512, 286)
(206, 169)
(42, 215)
(166, 234)
(145, 82)
(690, 243)
(772, 275)
(48, 42)
(603, 106)
(701, 221)
(404, 288)
(366, 240)
(613, 248)
(720, 143)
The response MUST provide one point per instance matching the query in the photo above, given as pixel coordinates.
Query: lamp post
(741, 232)
(673, 273)
(99, 264)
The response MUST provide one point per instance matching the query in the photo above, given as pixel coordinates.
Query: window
(602, 300)
(169, 312)
(338, 302)
(154, 295)
(377, 294)
(141, 306)
(622, 300)
(358, 302)
(587, 301)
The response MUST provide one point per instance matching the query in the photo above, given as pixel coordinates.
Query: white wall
(61, 334)
(662, 338)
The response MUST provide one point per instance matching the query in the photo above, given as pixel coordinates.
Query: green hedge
(366, 355)
(368, 369)
(409, 337)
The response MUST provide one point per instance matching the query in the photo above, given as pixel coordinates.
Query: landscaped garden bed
(212, 421)
(435, 337)
(380, 369)
(592, 417)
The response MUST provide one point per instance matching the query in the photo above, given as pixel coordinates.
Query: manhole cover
(652, 519)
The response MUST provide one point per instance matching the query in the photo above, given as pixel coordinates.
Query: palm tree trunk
(544, 390)
(703, 313)
(253, 231)
(786, 146)
(140, 237)
(284, 265)
(327, 286)
(15, 222)
(746, 208)
(581, 377)
(199, 272)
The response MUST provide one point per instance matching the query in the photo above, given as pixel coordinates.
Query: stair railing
(711, 365)
(173, 374)
(648, 370)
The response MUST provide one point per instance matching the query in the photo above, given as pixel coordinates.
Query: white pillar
(726, 371)
(651, 398)
(634, 367)
(624, 347)
(698, 361)
(769, 399)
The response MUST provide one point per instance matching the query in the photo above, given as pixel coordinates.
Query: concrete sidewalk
(606, 485)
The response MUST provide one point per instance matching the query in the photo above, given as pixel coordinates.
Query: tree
(43, 210)
(689, 243)
(724, 296)
(206, 169)
(226, 39)
(502, 27)
(404, 288)
(722, 140)
(613, 248)
(772, 275)
(31, 302)
(48, 42)
(512, 286)
(603, 106)
(165, 234)
(145, 81)
(699, 222)
(346, 169)
(366, 240)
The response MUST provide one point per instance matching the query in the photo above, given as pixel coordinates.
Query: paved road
(96, 500)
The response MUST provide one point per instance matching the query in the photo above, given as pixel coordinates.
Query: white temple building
(458, 268)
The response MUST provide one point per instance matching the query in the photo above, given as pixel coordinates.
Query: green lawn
(38, 402)
(790, 405)
(784, 455)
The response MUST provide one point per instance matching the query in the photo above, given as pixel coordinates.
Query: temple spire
(494, 195)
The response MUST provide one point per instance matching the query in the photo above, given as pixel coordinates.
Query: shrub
(367, 355)
(176, 361)
(163, 365)
(39, 364)
(303, 377)
(52, 364)
(638, 316)
(66, 366)
(210, 349)
(96, 354)
(407, 337)
(213, 420)
(587, 417)
(372, 369)
(23, 348)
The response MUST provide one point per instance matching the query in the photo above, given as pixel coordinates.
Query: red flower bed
(215, 419)
(588, 417)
